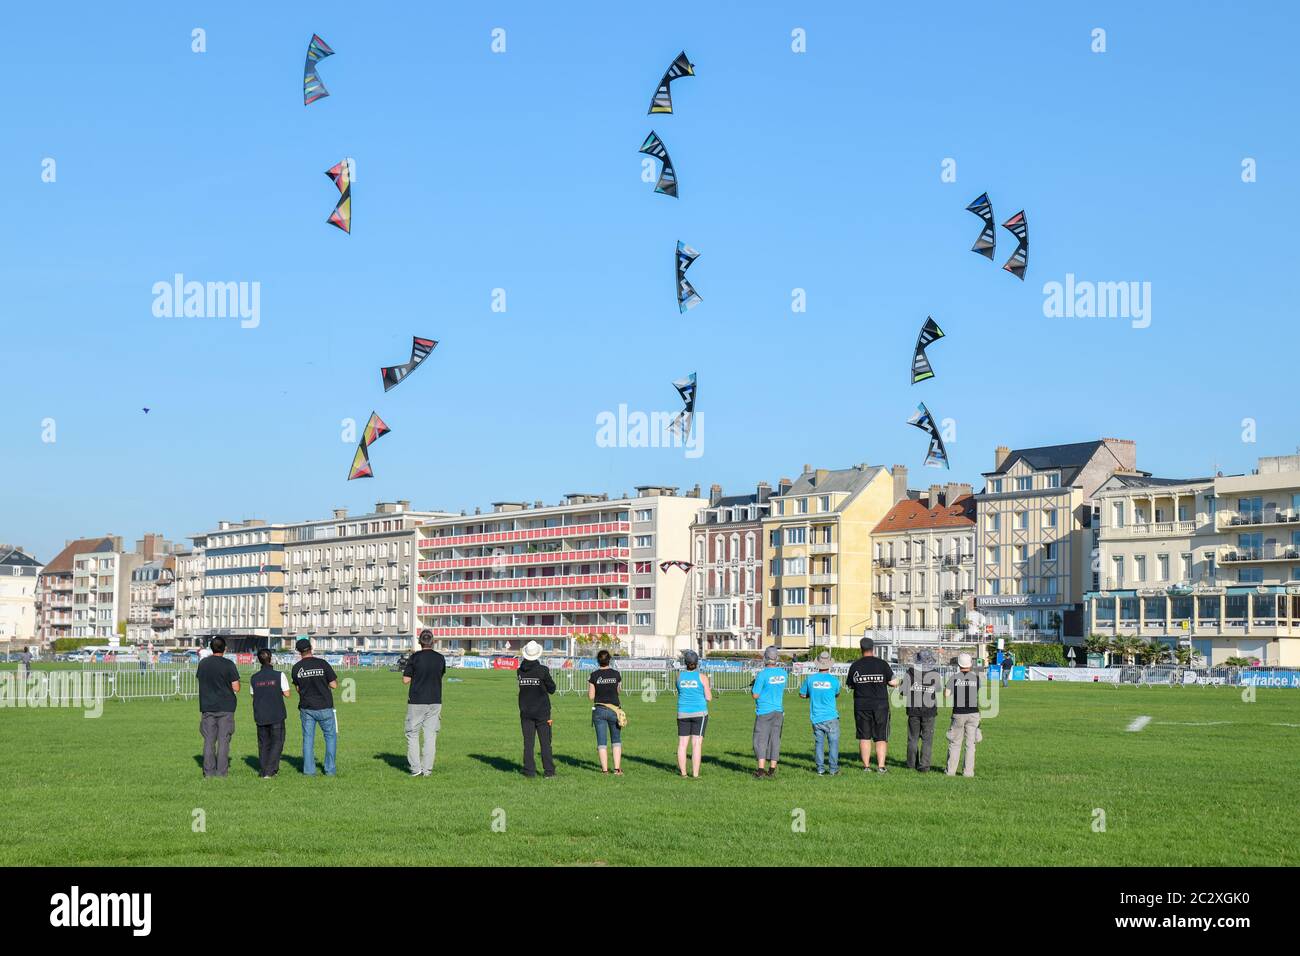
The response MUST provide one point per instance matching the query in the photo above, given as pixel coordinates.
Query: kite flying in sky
(1018, 226)
(987, 241)
(684, 565)
(375, 429)
(687, 297)
(341, 173)
(654, 146)
(312, 87)
(921, 369)
(663, 98)
(937, 456)
(682, 420)
(420, 349)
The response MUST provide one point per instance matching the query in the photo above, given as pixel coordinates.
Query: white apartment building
(1213, 563)
(101, 589)
(350, 580)
(19, 573)
(586, 567)
(242, 600)
(923, 560)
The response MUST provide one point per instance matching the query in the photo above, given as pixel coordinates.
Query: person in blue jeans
(821, 689)
(315, 680)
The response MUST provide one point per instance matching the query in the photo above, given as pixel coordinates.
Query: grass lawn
(1211, 780)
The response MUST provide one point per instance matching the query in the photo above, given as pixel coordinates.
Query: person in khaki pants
(965, 693)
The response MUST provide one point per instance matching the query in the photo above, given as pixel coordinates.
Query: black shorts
(691, 726)
(872, 722)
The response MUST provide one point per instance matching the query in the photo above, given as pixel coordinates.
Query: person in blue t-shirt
(821, 690)
(693, 697)
(769, 712)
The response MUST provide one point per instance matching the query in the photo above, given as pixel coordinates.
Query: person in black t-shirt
(218, 680)
(921, 694)
(964, 689)
(423, 673)
(269, 688)
(870, 679)
(315, 678)
(602, 690)
(535, 689)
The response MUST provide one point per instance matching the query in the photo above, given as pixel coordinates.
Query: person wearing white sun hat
(965, 693)
(535, 689)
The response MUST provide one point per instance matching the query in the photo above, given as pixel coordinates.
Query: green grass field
(1210, 781)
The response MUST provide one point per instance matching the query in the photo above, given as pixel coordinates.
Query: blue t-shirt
(690, 694)
(769, 685)
(821, 689)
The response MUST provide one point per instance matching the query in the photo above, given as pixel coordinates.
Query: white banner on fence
(1098, 675)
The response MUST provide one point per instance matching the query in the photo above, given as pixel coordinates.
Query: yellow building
(817, 553)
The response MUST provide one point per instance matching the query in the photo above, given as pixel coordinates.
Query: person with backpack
(768, 691)
(693, 697)
(535, 689)
(606, 715)
(270, 689)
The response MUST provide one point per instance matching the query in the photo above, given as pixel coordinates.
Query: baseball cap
(690, 657)
(303, 644)
(824, 661)
(532, 650)
(770, 653)
(963, 660)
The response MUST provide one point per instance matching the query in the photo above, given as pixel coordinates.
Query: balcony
(523, 584)
(1157, 529)
(1264, 555)
(513, 560)
(823, 579)
(1249, 519)
(823, 610)
(883, 562)
(560, 630)
(954, 560)
(530, 534)
(524, 607)
(823, 548)
(884, 596)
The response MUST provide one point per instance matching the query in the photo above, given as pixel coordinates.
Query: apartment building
(727, 586)
(587, 566)
(189, 589)
(243, 584)
(151, 614)
(54, 589)
(350, 580)
(817, 553)
(19, 573)
(923, 560)
(1036, 534)
(1210, 562)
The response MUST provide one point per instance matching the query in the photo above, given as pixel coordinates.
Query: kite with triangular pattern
(361, 464)
(341, 173)
(312, 87)
(654, 146)
(420, 349)
(684, 565)
(687, 297)
(662, 102)
(921, 369)
(987, 241)
(937, 455)
(682, 421)
(1018, 226)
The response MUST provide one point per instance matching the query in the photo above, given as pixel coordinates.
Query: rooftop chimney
(715, 494)
(1000, 455)
(764, 492)
(820, 476)
(900, 483)
(934, 497)
(783, 486)
(955, 490)
(340, 514)
(807, 469)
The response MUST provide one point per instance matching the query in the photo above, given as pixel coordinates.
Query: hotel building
(923, 560)
(586, 567)
(727, 586)
(1036, 535)
(817, 553)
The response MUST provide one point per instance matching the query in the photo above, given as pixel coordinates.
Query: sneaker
(771, 772)
(760, 774)
(821, 772)
(835, 772)
(417, 773)
(867, 770)
(550, 774)
(882, 770)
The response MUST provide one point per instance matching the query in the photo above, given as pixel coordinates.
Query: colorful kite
(684, 565)
(375, 429)
(921, 369)
(682, 421)
(420, 349)
(312, 87)
(985, 244)
(663, 98)
(341, 173)
(654, 146)
(937, 455)
(1018, 226)
(687, 297)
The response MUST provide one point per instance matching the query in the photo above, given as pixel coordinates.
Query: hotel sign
(1015, 600)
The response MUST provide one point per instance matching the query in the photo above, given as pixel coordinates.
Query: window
(996, 484)
(795, 535)
(1119, 570)
(1024, 483)
(1117, 514)
(803, 506)
(1185, 572)
(774, 537)
(1162, 567)
(995, 522)
(1022, 553)
(643, 567)
(1049, 518)
(794, 566)
(1049, 551)
(1140, 567)
(793, 626)
(1250, 575)
(794, 596)
(1054, 480)
(995, 586)
(825, 503)
(643, 541)
(641, 594)
(1022, 520)
(643, 620)
(645, 514)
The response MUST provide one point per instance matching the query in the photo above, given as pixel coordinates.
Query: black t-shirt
(869, 677)
(535, 689)
(922, 692)
(312, 676)
(425, 668)
(215, 674)
(606, 681)
(966, 693)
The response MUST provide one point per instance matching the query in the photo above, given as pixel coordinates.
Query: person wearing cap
(768, 690)
(821, 690)
(218, 681)
(921, 693)
(1008, 662)
(535, 689)
(269, 688)
(871, 678)
(315, 680)
(602, 691)
(693, 697)
(964, 689)
(423, 675)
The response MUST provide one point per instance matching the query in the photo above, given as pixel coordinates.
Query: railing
(529, 534)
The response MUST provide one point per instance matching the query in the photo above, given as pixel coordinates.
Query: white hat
(532, 650)
(963, 660)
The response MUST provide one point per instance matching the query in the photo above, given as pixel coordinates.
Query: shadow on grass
(577, 762)
(396, 761)
(504, 764)
(651, 762)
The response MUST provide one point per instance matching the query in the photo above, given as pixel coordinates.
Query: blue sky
(520, 171)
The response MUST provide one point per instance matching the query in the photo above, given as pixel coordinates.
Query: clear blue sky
(520, 171)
